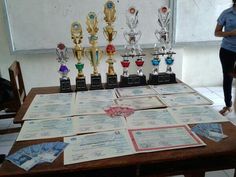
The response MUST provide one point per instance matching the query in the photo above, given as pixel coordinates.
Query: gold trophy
(110, 34)
(94, 54)
(78, 51)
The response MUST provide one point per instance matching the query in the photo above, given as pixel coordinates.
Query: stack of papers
(212, 131)
(30, 156)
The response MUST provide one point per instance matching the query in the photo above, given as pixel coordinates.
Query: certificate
(96, 95)
(98, 123)
(50, 128)
(135, 91)
(141, 102)
(46, 111)
(196, 114)
(56, 98)
(82, 107)
(96, 146)
(172, 88)
(164, 138)
(150, 118)
(185, 99)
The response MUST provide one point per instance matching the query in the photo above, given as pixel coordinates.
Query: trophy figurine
(164, 49)
(132, 51)
(78, 51)
(94, 54)
(62, 58)
(110, 34)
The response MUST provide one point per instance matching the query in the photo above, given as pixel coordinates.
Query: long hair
(234, 2)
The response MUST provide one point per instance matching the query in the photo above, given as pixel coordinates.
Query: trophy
(62, 58)
(94, 54)
(78, 51)
(164, 49)
(110, 34)
(133, 51)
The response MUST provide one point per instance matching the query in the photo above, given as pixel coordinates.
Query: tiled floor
(213, 93)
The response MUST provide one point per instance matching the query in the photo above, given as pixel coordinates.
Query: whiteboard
(195, 20)
(42, 24)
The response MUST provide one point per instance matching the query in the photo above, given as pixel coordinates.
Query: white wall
(197, 66)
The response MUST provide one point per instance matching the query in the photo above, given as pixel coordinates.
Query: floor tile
(5, 123)
(216, 174)
(229, 173)
(6, 142)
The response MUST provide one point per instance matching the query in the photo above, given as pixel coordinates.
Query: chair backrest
(17, 83)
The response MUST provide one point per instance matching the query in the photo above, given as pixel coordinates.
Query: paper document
(150, 118)
(141, 102)
(164, 138)
(185, 99)
(95, 95)
(135, 91)
(172, 88)
(49, 128)
(98, 123)
(97, 146)
(196, 114)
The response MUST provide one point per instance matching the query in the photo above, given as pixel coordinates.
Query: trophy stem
(132, 51)
(78, 51)
(110, 34)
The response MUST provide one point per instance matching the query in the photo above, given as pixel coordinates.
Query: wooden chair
(13, 105)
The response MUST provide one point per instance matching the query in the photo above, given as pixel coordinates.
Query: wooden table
(193, 162)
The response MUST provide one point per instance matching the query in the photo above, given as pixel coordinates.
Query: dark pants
(227, 59)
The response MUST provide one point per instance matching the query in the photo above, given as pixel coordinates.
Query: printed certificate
(141, 102)
(49, 128)
(55, 98)
(172, 88)
(98, 123)
(47, 111)
(164, 138)
(185, 99)
(82, 107)
(96, 146)
(135, 91)
(96, 95)
(150, 118)
(196, 114)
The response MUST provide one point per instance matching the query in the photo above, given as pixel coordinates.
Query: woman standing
(226, 28)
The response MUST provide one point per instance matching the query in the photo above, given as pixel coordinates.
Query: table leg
(235, 172)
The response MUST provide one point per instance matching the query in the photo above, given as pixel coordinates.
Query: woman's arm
(220, 33)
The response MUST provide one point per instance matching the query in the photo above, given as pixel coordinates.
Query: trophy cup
(62, 58)
(110, 34)
(163, 49)
(78, 51)
(94, 54)
(132, 51)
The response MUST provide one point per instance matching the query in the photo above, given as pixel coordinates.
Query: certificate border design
(199, 142)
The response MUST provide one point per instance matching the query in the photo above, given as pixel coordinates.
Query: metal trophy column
(110, 34)
(93, 53)
(78, 51)
(62, 58)
(133, 51)
(162, 49)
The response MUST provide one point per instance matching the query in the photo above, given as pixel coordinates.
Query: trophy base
(65, 85)
(80, 84)
(132, 80)
(111, 82)
(162, 78)
(96, 82)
